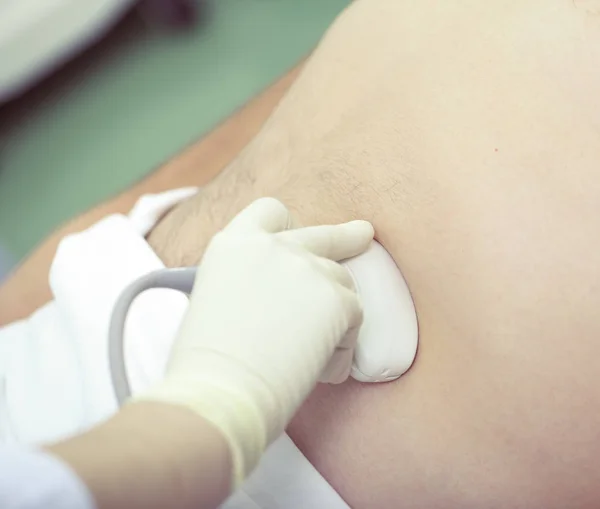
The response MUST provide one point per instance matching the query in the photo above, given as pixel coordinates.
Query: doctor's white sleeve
(31, 479)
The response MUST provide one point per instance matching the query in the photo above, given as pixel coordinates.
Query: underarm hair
(313, 195)
(180, 238)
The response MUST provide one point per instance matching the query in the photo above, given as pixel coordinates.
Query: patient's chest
(502, 403)
(492, 212)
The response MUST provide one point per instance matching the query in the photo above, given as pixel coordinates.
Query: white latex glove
(269, 308)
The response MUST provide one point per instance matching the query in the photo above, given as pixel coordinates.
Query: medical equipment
(387, 341)
(38, 36)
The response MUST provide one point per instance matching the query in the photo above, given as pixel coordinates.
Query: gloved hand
(269, 308)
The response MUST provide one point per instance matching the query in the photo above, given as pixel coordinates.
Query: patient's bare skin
(468, 133)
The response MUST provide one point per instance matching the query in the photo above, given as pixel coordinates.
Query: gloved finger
(266, 214)
(351, 337)
(354, 317)
(336, 272)
(335, 242)
(339, 367)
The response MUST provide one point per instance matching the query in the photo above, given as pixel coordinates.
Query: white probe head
(388, 339)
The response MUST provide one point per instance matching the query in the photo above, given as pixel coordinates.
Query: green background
(135, 99)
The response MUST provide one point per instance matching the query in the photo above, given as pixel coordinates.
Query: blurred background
(95, 94)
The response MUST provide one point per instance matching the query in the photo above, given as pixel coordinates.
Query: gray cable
(176, 279)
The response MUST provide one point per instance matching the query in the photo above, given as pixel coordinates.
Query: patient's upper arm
(27, 287)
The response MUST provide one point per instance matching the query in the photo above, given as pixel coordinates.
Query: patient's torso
(478, 164)
(502, 404)
(469, 134)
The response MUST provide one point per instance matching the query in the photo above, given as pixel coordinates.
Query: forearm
(151, 455)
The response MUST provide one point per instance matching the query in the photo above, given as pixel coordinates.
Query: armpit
(313, 194)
